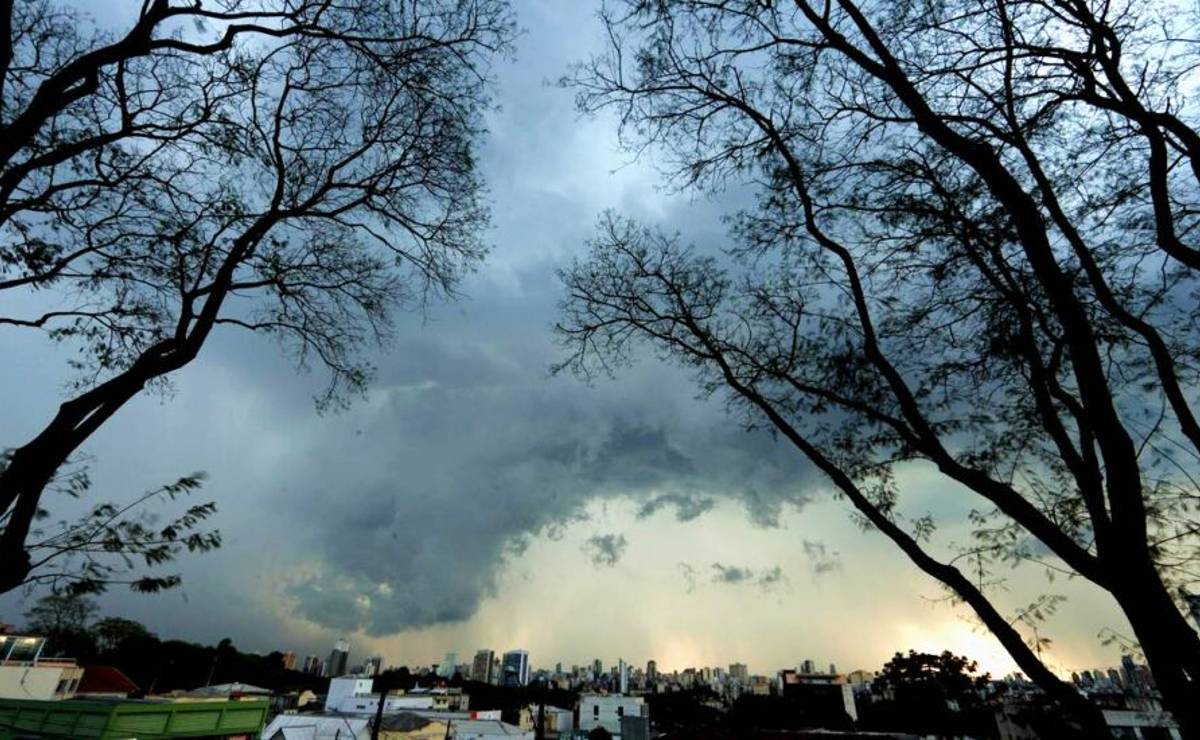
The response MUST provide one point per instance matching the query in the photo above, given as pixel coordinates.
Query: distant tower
(481, 667)
(338, 659)
(623, 675)
(446, 668)
(516, 668)
(651, 670)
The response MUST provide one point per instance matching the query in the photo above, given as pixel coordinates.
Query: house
(105, 682)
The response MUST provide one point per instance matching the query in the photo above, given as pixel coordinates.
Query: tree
(111, 542)
(292, 167)
(113, 633)
(54, 613)
(931, 694)
(63, 619)
(973, 253)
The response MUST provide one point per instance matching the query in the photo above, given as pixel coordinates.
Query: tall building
(338, 658)
(312, 665)
(738, 672)
(446, 667)
(597, 668)
(373, 666)
(808, 666)
(516, 668)
(623, 676)
(481, 667)
(651, 670)
(289, 660)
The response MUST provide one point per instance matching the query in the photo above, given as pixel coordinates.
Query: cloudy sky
(471, 500)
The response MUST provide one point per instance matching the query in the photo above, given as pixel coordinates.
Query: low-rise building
(606, 710)
(25, 674)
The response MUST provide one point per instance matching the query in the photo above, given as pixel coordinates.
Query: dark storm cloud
(605, 549)
(687, 507)
(412, 517)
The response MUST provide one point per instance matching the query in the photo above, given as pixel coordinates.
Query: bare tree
(295, 167)
(974, 252)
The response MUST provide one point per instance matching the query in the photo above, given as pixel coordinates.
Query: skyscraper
(481, 667)
(338, 658)
(597, 668)
(446, 667)
(738, 672)
(623, 676)
(516, 668)
(651, 670)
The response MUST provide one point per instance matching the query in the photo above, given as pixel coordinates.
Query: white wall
(38, 681)
(606, 711)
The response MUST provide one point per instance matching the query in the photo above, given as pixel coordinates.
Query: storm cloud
(605, 549)
(686, 507)
(410, 520)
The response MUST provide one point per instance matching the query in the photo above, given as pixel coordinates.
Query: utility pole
(381, 688)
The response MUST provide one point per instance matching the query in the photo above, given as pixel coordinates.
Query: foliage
(973, 253)
(111, 542)
(296, 168)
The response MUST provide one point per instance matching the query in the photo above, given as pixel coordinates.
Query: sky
(472, 500)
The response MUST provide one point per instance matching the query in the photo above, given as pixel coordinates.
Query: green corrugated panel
(29, 719)
(140, 722)
(247, 720)
(193, 721)
(91, 724)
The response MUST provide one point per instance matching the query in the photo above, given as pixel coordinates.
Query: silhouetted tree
(64, 620)
(930, 694)
(974, 252)
(111, 543)
(113, 633)
(293, 167)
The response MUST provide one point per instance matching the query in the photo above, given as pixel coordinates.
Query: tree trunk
(1171, 646)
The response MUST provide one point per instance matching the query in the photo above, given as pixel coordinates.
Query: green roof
(127, 719)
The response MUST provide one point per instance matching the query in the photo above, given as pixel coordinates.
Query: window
(62, 686)
(620, 711)
(595, 710)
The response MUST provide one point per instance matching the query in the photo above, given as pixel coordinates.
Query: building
(409, 726)
(318, 727)
(556, 720)
(622, 676)
(311, 665)
(651, 670)
(607, 710)
(515, 666)
(25, 674)
(824, 692)
(738, 672)
(339, 657)
(481, 667)
(635, 727)
(104, 682)
(353, 695)
(117, 720)
(446, 668)
(488, 729)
